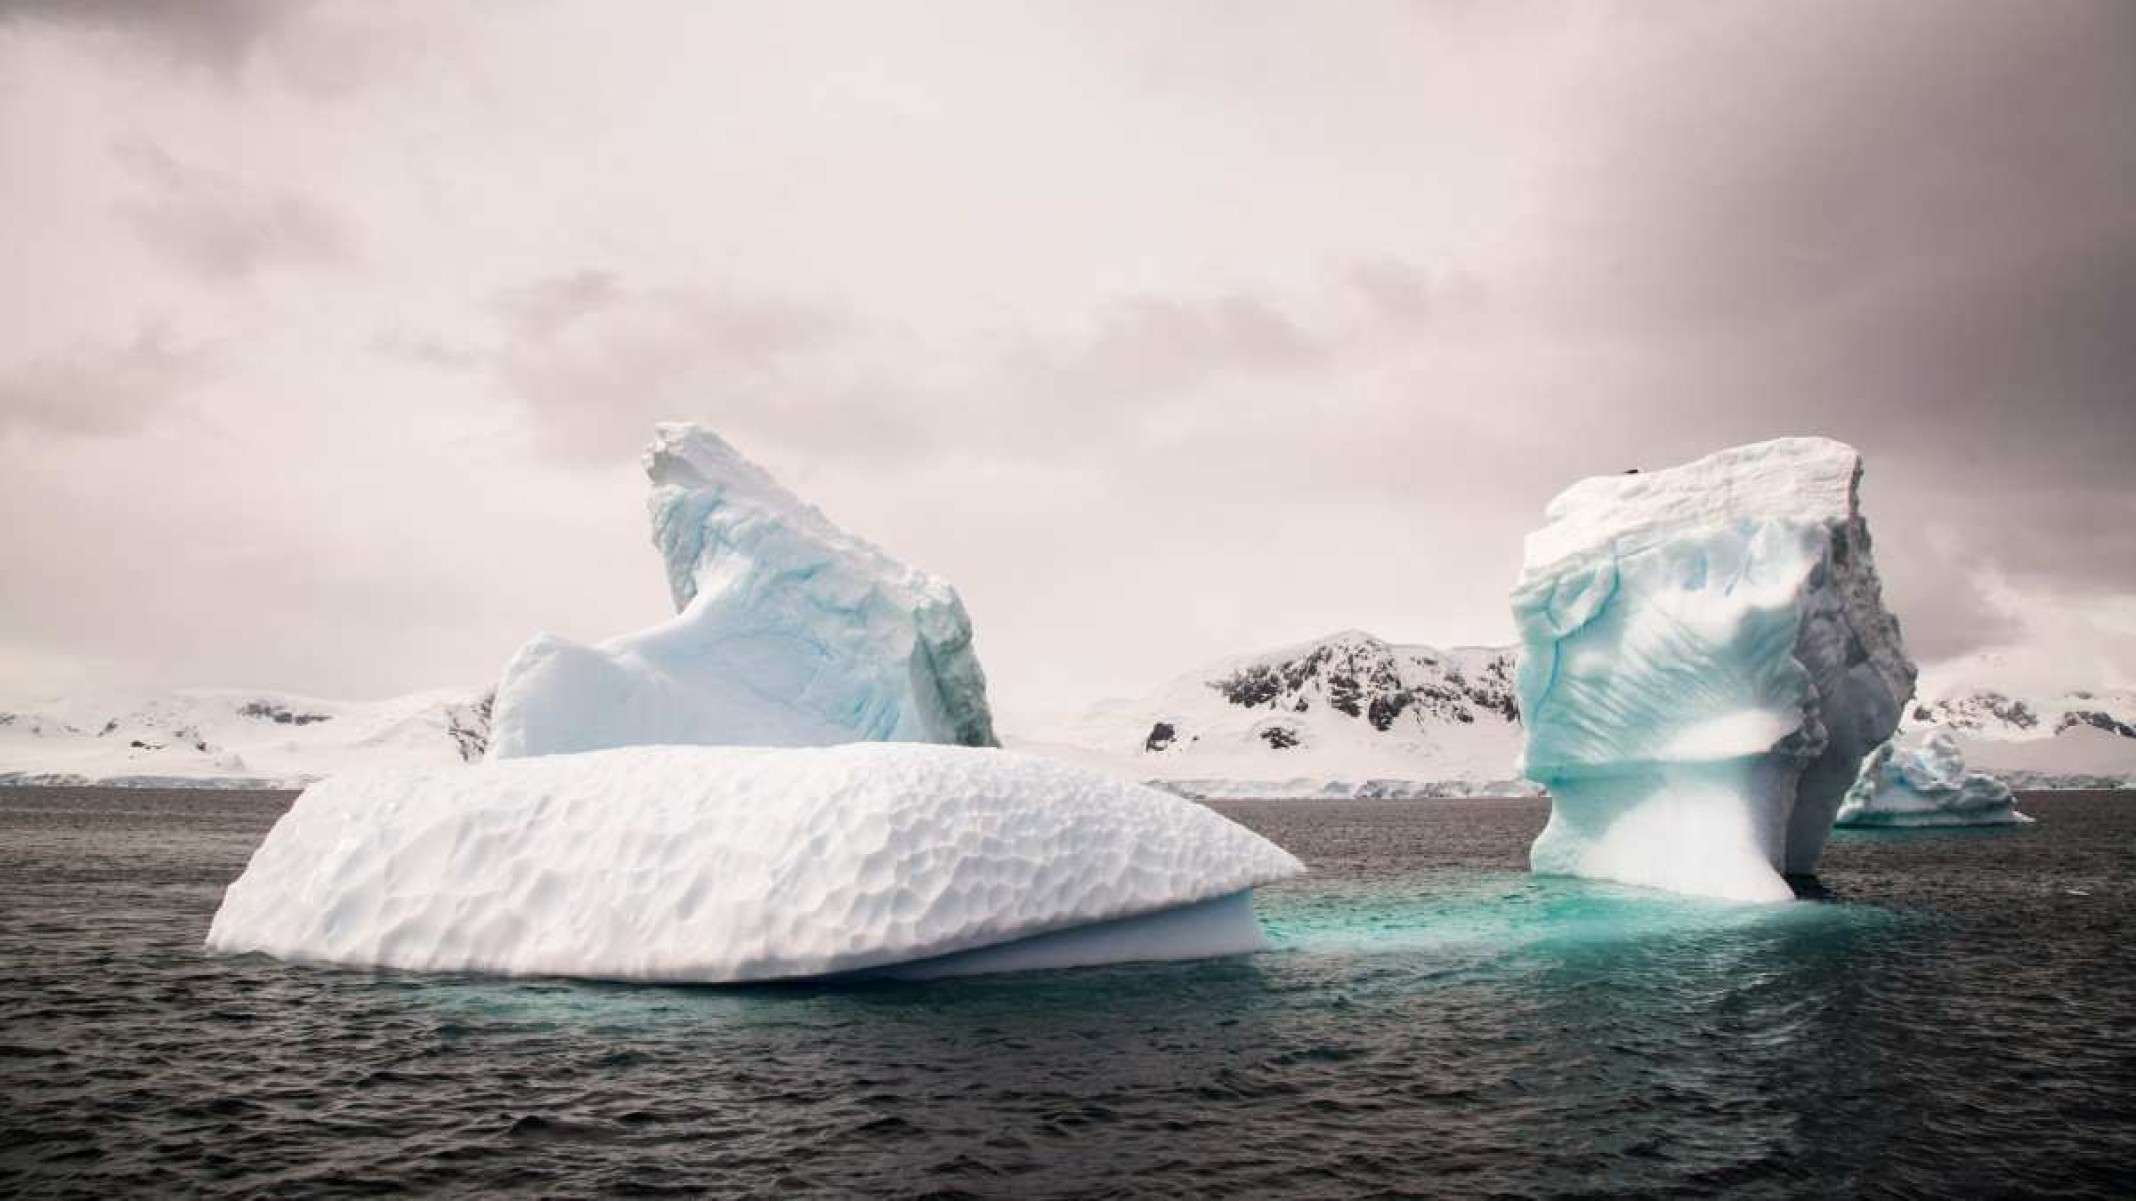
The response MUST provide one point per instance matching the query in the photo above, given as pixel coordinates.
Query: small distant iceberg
(728, 864)
(788, 631)
(1921, 780)
(1705, 660)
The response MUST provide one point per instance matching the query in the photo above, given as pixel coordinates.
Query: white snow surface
(1921, 780)
(788, 632)
(2030, 734)
(1346, 715)
(718, 864)
(1705, 659)
(228, 737)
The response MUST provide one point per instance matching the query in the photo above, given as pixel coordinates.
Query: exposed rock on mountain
(1343, 715)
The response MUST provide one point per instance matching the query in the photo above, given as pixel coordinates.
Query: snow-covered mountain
(1354, 715)
(227, 737)
(1345, 715)
(2037, 739)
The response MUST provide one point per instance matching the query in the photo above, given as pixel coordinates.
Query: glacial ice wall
(1922, 780)
(714, 864)
(1705, 659)
(788, 632)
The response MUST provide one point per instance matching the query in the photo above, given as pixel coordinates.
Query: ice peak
(1795, 479)
(788, 632)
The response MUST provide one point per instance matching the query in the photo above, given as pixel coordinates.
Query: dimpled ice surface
(712, 864)
(1705, 659)
(788, 632)
(1921, 780)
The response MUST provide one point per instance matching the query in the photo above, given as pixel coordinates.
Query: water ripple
(1961, 1020)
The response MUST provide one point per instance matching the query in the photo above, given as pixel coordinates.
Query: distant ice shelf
(232, 738)
(1705, 659)
(720, 864)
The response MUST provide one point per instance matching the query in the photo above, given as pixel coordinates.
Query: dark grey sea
(1956, 1019)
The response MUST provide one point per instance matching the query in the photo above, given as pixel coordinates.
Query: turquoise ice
(1921, 780)
(1705, 659)
(788, 631)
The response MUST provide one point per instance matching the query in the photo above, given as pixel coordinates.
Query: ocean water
(1958, 1019)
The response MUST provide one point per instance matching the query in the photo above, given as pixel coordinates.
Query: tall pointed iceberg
(788, 632)
(1705, 659)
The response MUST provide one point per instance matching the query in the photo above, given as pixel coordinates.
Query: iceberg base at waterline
(1702, 829)
(1202, 930)
(725, 864)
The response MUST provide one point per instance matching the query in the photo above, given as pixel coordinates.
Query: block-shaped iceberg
(788, 632)
(1705, 659)
(1921, 780)
(713, 864)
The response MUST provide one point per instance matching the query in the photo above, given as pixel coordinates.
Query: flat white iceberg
(1705, 659)
(1921, 780)
(714, 864)
(788, 632)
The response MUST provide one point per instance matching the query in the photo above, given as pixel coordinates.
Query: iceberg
(1922, 781)
(1705, 660)
(788, 632)
(723, 864)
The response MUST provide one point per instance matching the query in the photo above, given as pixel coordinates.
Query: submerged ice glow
(1705, 660)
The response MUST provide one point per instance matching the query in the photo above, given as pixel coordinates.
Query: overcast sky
(329, 332)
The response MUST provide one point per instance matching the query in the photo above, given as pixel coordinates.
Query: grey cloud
(1909, 226)
(1993, 394)
(1405, 295)
(540, 309)
(1767, 158)
(216, 34)
(1144, 361)
(1992, 398)
(596, 359)
(1943, 610)
(427, 350)
(219, 227)
(1553, 241)
(97, 391)
(1169, 343)
(1211, 361)
(2019, 390)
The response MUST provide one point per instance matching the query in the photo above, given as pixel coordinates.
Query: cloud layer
(1166, 333)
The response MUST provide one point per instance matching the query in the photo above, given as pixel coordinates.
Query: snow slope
(742, 863)
(232, 737)
(1705, 660)
(788, 632)
(2031, 737)
(1344, 715)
